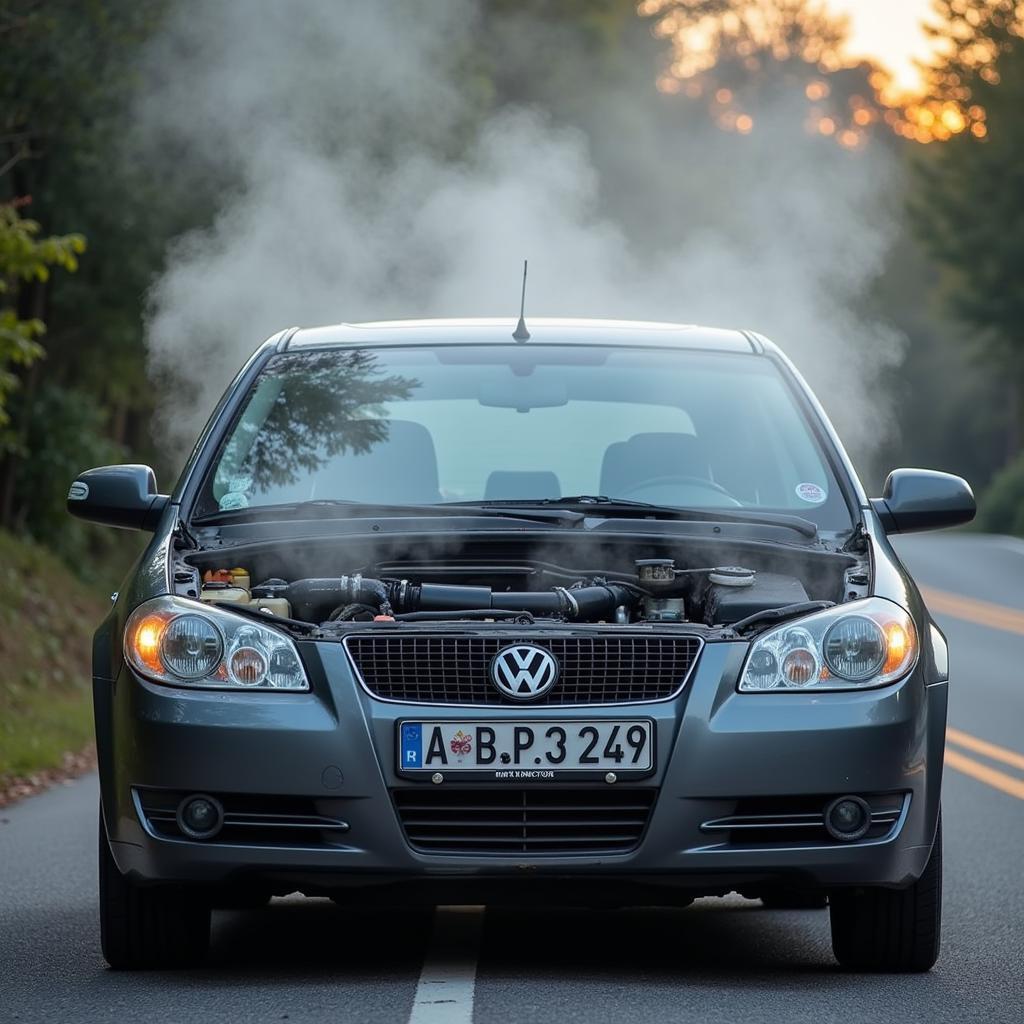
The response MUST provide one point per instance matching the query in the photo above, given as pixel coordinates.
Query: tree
(742, 57)
(968, 202)
(25, 257)
(67, 83)
(757, 32)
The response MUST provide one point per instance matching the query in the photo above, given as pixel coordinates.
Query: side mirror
(124, 496)
(923, 499)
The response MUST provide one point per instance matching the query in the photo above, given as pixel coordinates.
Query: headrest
(400, 468)
(647, 456)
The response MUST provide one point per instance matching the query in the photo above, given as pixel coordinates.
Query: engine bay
(633, 585)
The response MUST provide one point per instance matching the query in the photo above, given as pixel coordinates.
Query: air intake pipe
(586, 603)
(312, 599)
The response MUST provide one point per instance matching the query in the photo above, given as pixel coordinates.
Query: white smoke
(335, 123)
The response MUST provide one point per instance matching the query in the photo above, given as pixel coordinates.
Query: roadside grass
(47, 618)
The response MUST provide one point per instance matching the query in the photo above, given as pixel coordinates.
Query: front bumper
(336, 745)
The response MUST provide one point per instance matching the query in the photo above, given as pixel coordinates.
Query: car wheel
(794, 899)
(891, 929)
(148, 926)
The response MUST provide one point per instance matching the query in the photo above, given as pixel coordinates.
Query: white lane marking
(444, 994)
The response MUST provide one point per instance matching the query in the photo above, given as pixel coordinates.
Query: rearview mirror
(923, 499)
(523, 394)
(124, 496)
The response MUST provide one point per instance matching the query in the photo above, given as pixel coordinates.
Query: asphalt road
(717, 961)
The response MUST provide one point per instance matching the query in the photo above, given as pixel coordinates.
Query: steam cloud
(330, 126)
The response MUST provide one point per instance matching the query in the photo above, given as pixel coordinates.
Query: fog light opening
(848, 818)
(200, 816)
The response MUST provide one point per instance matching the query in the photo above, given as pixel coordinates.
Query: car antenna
(521, 333)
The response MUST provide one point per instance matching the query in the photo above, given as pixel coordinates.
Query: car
(582, 613)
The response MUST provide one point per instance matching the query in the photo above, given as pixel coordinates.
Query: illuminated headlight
(184, 643)
(849, 647)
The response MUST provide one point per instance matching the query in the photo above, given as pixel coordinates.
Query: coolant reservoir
(239, 578)
(223, 593)
(275, 605)
(267, 595)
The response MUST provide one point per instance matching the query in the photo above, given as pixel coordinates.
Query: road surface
(726, 961)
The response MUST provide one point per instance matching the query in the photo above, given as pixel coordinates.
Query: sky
(889, 31)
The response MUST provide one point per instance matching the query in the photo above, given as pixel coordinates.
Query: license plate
(525, 749)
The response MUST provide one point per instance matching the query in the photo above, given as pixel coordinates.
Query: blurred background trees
(67, 77)
(969, 215)
(72, 71)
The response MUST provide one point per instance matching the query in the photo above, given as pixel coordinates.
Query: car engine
(656, 591)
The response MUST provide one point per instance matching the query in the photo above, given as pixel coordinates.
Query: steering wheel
(677, 478)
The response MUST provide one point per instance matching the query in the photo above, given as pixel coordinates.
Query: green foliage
(63, 61)
(1001, 507)
(24, 256)
(68, 82)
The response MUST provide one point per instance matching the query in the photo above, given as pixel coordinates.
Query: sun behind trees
(741, 57)
(734, 53)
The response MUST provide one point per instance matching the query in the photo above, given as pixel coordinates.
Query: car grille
(515, 821)
(456, 669)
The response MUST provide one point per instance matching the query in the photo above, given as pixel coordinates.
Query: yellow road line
(963, 739)
(990, 776)
(970, 609)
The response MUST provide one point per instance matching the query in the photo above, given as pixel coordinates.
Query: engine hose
(314, 597)
(579, 603)
(310, 598)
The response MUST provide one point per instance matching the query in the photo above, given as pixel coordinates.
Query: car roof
(543, 331)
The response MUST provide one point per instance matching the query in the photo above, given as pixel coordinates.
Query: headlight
(849, 647)
(185, 643)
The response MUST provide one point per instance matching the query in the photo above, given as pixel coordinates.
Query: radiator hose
(312, 599)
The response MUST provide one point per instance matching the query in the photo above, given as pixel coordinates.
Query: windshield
(524, 422)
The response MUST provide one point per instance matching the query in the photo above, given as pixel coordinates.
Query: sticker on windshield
(232, 500)
(811, 493)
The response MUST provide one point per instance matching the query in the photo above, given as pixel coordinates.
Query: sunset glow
(889, 32)
(884, 41)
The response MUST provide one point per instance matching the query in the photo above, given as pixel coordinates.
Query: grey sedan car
(588, 613)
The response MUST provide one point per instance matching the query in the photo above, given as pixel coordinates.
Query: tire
(794, 899)
(896, 930)
(148, 926)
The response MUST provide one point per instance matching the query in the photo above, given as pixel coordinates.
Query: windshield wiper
(569, 511)
(340, 508)
(572, 499)
(582, 502)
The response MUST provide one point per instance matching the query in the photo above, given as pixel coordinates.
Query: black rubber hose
(579, 603)
(309, 597)
(312, 598)
(444, 597)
